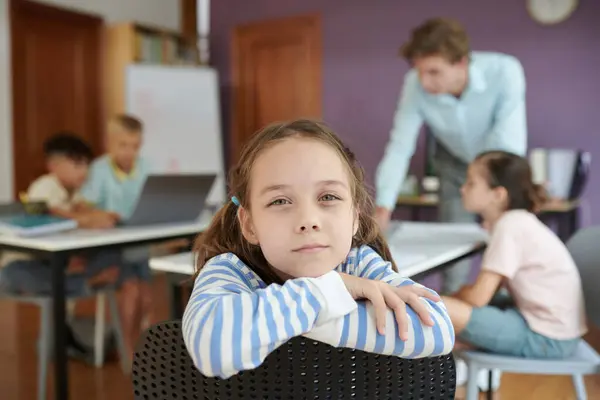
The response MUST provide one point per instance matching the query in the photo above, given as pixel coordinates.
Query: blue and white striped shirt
(233, 320)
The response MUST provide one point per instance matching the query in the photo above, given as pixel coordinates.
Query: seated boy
(67, 160)
(114, 184)
(116, 179)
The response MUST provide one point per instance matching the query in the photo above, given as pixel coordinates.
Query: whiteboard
(180, 110)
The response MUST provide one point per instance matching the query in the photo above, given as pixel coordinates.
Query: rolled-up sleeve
(408, 120)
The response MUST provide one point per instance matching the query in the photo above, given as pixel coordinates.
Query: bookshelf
(133, 43)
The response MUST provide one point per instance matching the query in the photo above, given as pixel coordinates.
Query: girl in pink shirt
(545, 317)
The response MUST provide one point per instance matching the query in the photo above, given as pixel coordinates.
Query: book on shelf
(157, 48)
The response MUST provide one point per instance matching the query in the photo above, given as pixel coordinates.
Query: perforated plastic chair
(585, 249)
(299, 369)
(45, 349)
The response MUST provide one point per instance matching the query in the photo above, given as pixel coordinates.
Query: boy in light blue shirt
(116, 178)
(114, 184)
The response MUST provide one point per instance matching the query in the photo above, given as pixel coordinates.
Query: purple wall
(362, 75)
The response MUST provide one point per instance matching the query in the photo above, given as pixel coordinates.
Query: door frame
(238, 92)
(17, 8)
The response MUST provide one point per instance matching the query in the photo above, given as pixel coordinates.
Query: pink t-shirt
(540, 274)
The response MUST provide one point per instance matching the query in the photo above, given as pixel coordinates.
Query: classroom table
(564, 212)
(58, 247)
(421, 248)
(418, 249)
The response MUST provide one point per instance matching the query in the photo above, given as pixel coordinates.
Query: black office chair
(299, 369)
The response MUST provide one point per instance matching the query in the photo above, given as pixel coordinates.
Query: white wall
(164, 13)
(5, 109)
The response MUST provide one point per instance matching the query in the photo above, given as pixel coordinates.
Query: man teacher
(470, 102)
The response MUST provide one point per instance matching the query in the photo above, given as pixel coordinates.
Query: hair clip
(235, 201)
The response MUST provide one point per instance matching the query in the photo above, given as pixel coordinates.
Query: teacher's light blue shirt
(489, 115)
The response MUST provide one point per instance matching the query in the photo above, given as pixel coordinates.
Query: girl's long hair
(224, 235)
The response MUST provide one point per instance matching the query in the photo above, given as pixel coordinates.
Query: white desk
(181, 263)
(416, 247)
(59, 246)
(88, 238)
(420, 247)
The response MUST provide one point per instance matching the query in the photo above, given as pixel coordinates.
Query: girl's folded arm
(358, 329)
(423, 340)
(230, 326)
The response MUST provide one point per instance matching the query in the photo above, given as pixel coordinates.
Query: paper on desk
(444, 231)
(405, 260)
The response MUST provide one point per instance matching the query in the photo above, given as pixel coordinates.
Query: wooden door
(56, 70)
(276, 74)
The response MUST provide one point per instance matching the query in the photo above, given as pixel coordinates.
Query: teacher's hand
(383, 216)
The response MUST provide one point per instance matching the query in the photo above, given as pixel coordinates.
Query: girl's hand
(384, 296)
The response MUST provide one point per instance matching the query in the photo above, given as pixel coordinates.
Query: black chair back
(299, 369)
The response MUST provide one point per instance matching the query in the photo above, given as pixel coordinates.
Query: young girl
(524, 256)
(290, 255)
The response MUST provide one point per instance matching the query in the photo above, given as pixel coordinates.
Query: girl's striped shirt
(233, 320)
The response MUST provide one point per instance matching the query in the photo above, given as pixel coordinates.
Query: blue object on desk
(35, 225)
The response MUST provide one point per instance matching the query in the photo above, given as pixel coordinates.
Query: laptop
(171, 198)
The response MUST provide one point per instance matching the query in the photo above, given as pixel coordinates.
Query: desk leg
(176, 295)
(490, 391)
(415, 213)
(61, 381)
(573, 221)
(176, 301)
(568, 224)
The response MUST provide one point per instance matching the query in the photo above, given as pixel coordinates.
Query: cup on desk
(431, 186)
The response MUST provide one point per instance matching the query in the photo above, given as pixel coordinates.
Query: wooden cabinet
(56, 75)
